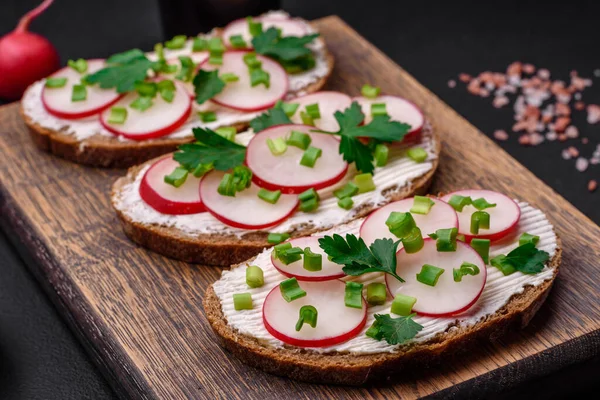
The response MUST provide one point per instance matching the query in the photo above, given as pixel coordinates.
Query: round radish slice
(440, 216)
(336, 323)
(399, 109)
(166, 198)
(503, 218)
(288, 27)
(329, 103)
(330, 270)
(246, 210)
(57, 101)
(159, 120)
(240, 95)
(284, 172)
(447, 297)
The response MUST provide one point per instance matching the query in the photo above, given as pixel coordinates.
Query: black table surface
(433, 40)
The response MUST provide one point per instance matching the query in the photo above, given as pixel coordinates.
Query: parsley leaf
(525, 258)
(359, 259)
(207, 84)
(210, 148)
(126, 57)
(287, 48)
(272, 117)
(394, 330)
(122, 77)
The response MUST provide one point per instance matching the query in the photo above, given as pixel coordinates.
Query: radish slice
(284, 172)
(440, 216)
(330, 270)
(336, 323)
(240, 95)
(246, 210)
(399, 109)
(289, 27)
(159, 120)
(503, 218)
(166, 198)
(329, 103)
(58, 102)
(446, 297)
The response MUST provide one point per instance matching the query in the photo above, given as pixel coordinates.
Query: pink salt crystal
(593, 115)
(581, 164)
(524, 140)
(500, 101)
(464, 77)
(473, 87)
(529, 68)
(501, 135)
(484, 92)
(451, 83)
(572, 132)
(561, 123)
(535, 139)
(584, 140)
(573, 151)
(565, 154)
(562, 109)
(580, 105)
(551, 136)
(543, 73)
(514, 68)
(592, 185)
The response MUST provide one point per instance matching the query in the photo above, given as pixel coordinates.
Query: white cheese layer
(497, 292)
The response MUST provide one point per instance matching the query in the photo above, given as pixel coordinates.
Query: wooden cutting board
(140, 314)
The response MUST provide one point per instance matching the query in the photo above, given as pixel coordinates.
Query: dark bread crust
(348, 369)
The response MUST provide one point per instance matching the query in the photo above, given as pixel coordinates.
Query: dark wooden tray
(140, 314)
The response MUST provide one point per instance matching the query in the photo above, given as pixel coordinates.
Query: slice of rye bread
(226, 250)
(349, 369)
(108, 151)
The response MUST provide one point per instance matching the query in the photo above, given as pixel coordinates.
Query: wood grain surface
(140, 314)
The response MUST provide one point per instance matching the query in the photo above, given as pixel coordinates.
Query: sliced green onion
(177, 177)
(482, 247)
(118, 115)
(216, 46)
(167, 95)
(417, 154)
(312, 261)
(500, 262)
(309, 205)
(482, 204)
(277, 146)
(227, 186)
(364, 182)
(479, 220)
(402, 305)
(228, 132)
(79, 93)
(308, 315)
(242, 301)
(461, 238)
(414, 241)
(242, 178)
(310, 156)
(170, 68)
(281, 248)
(446, 239)
(254, 276)
(254, 27)
(79, 65)
(422, 205)
(237, 41)
(178, 42)
(313, 111)
(370, 92)
(306, 119)
(142, 103)
(465, 269)
(429, 274)
(260, 76)
(276, 238)
(349, 190)
(376, 293)
(199, 44)
(215, 59)
(202, 169)
(207, 116)
(290, 290)
(269, 196)
(400, 224)
(147, 89)
(382, 153)
(288, 108)
(229, 77)
(159, 49)
(308, 195)
(346, 203)
(459, 202)
(299, 139)
(289, 256)
(353, 295)
(528, 238)
(378, 109)
(54, 83)
(252, 61)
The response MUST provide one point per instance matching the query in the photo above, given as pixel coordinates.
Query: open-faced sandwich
(307, 165)
(415, 279)
(135, 106)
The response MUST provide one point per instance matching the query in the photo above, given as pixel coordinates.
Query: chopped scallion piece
(312, 261)
(242, 301)
(528, 238)
(353, 295)
(309, 205)
(370, 92)
(259, 76)
(178, 42)
(237, 41)
(313, 111)
(299, 139)
(276, 238)
(142, 103)
(459, 202)
(199, 44)
(308, 195)
(227, 186)
(147, 89)
(53, 83)
(177, 177)
(422, 205)
(216, 46)
(118, 115)
(79, 65)
(402, 304)
(349, 190)
(159, 49)
(310, 156)
(446, 239)
(202, 169)
(254, 276)
(215, 59)
(482, 247)
(400, 224)
(417, 154)
(254, 27)
(290, 255)
(188, 66)
(306, 118)
(413, 242)
(482, 204)
(378, 109)
(79, 93)
(346, 203)
(500, 262)
(228, 132)
(277, 146)
(308, 315)
(167, 95)
(288, 108)
(382, 153)
(291, 290)
(429, 274)
(229, 77)
(269, 196)
(207, 116)
(364, 182)
(252, 61)
(465, 269)
(479, 220)
(376, 293)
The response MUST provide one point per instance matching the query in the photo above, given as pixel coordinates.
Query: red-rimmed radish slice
(330, 270)
(329, 102)
(336, 323)
(246, 210)
(57, 101)
(166, 198)
(399, 109)
(503, 218)
(159, 120)
(284, 171)
(240, 95)
(289, 27)
(447, 297)
(440, 216)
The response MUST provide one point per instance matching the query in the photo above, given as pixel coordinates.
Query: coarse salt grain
(551, 136)
(500, 134)
(572, 132)
(592, 185)
(593, 115)
(451, 83)
(543, 73)
(581, 164)
(565, 154)
(500, 101)
(573, 152)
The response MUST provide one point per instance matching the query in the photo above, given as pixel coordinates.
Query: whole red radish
(25, 56)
